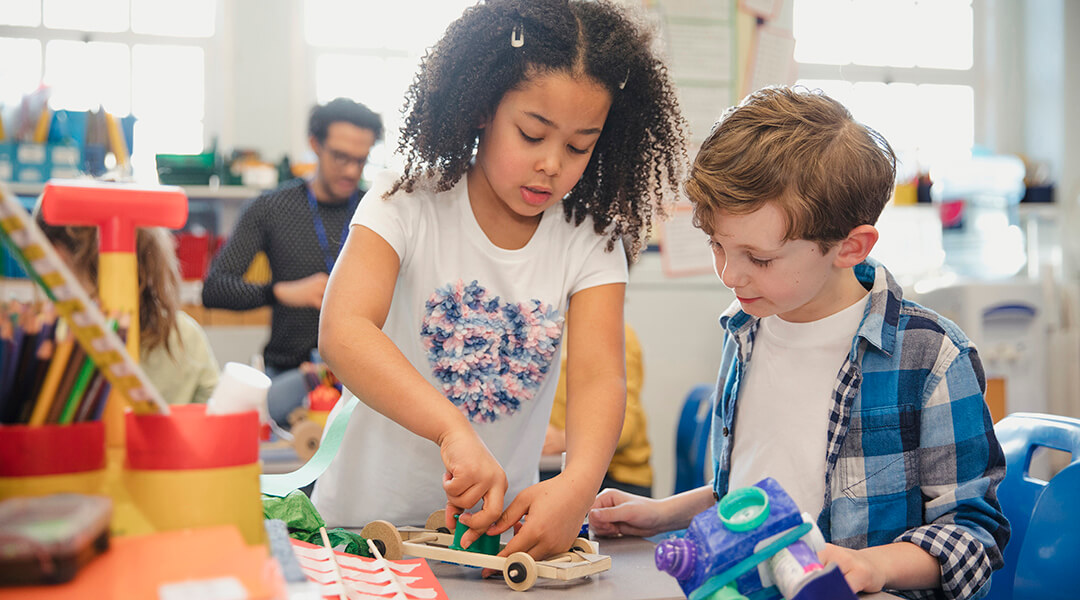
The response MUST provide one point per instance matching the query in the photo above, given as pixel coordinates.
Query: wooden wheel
(584, 545)
(306, 437)
(437, 522)
(520, 571)
(384, 533)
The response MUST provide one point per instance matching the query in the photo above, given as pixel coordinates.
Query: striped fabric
(911, 454)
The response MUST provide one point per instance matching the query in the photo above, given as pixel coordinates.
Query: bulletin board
(717, 52)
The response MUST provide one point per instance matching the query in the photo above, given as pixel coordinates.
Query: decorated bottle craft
(753, 543)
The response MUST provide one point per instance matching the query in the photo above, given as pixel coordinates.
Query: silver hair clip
(517, 36)
(627, 76)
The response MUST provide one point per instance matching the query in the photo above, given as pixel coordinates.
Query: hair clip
(517, 36)
(625, 77)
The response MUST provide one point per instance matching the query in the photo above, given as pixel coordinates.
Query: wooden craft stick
(333, 561)
(399, 590)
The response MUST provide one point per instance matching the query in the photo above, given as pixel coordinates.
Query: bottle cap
(744, 508)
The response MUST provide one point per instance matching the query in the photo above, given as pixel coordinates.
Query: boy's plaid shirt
(911, 454)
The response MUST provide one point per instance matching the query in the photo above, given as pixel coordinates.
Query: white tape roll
(240, 388)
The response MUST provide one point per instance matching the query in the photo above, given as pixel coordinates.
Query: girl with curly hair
(539, 135)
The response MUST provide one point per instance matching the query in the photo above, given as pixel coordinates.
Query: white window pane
(18, 77)
(943, 38)
(163, 136)
(876, 43)
(350, 76)
(186, 18)
(99, 15)
(348, 24)
(946, 123)
(834, 88)
(85, 75)
(824, 31)
(410, 25)
(20, 12)
(888, 109)
(168, 82)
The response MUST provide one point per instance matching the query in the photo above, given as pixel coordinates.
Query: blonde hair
(159, 274)
(801, 150)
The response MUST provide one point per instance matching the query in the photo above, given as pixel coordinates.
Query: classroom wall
(677, 323)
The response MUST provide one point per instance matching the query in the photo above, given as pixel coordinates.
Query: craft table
(633, 576)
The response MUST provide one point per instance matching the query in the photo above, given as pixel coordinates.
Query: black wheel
(520, 571)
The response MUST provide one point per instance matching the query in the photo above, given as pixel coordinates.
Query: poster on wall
(699, 41)
(772, 58)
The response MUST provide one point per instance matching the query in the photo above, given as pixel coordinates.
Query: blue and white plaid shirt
(911, 454)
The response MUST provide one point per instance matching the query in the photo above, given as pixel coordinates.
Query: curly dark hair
(343, 109)
(639, 158)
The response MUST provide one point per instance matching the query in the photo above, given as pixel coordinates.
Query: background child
(444, 313)
(866, 407)
(174, 351)
(629, 470)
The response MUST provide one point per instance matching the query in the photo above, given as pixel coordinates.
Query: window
(142, 57)
(373, 65)
(903, 67)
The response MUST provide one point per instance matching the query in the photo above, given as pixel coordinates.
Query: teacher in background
(300, 226)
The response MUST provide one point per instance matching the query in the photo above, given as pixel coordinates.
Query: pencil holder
(188, 469)
(50, 459)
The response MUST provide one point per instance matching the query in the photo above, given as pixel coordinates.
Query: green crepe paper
(303, 521)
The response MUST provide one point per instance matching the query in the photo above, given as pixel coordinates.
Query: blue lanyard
(320, 231)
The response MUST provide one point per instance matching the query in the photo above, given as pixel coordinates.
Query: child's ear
(856, 246)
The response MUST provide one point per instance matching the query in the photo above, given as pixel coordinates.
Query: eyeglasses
(342, 160)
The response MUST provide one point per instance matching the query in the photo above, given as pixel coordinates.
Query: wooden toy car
(519, 569)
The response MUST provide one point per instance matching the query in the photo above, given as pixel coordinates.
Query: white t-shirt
(782, 418)
(484, 326)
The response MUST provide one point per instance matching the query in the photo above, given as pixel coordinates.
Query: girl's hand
(863, 574)
(553, 511)
(616, 513)
(472, 474)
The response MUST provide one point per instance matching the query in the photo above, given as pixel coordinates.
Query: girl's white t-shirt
(483, 325)
(782, 415)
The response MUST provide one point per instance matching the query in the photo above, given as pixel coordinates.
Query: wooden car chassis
(520, 570)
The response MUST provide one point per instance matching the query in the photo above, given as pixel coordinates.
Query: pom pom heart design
(489, 356)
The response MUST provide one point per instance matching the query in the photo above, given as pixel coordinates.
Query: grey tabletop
(633, 576)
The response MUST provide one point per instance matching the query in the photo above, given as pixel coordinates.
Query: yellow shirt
(631, 461)
(191, 372)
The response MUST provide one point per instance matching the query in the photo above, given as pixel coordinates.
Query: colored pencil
(67, 382)
(86, 372)
(98, 409)
(13, 338)
(30, 392)
(86, 407)
(31, 323)
(57, 367)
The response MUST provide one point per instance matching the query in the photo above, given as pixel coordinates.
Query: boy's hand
(472, 474)
(863, 574)
(554, 511)
(616, 513)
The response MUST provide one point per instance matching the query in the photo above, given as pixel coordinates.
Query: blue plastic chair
(692, 439)
(1043, 552)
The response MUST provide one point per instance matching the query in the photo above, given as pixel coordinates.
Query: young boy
(866, 407)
